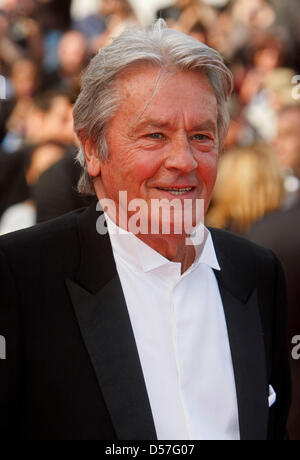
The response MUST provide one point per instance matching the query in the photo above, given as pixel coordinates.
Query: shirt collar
(141, 256)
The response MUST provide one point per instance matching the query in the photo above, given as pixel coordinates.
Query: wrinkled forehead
(145, 75)
(145, 87)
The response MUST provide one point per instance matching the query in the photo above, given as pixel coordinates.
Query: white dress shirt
(181, 336)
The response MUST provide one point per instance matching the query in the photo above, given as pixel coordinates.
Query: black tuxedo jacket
(72, 369)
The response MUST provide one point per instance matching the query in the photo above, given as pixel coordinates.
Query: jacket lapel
(248, 356)
(246, 338)
(101, 311)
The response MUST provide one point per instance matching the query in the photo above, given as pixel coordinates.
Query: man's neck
(172, 247)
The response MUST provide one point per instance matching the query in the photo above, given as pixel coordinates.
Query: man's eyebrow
(154, 123)
(208, 125)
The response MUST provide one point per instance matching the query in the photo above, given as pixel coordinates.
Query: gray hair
(159, 46)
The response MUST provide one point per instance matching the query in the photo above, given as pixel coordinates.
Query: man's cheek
(144, 169)
(209, 172)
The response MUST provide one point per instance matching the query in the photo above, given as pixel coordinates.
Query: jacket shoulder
(235, 246)
(55, 241)
(246, 261)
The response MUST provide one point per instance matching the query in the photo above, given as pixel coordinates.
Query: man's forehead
(133, 78)
(143, 88)
(151, 76)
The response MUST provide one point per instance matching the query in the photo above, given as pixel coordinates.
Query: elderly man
(118, 326)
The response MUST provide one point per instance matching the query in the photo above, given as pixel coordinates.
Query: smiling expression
(163, 139)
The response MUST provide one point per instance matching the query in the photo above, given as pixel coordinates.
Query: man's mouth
(176, 190)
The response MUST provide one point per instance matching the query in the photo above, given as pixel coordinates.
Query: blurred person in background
(119, 14)
(20, 32)
(236, 24)
(199, 32)
(55, 201)
(49, 119)
(25, 78)
(58, 120)
(249, 185)
(33, 27)
(256, 13)
(91, 24)
(288, 18)
(241, 132)
(53, 14)
(48, 116)
(185, 14)
(287, 148)
(72, 58)
(13, 185)
(277, 85)
(266, 55)
(54, 18)
(221, 31)
(25, 81)
(9, 51)
(23, 214)
(279, 231)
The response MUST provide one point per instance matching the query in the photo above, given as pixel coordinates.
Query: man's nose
(180, 157)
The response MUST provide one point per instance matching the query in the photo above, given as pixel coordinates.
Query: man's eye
(155, 136)
(201, 137)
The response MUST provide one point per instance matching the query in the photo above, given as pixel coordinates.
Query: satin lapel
(249, 362)
(109, 339)
(102, 314)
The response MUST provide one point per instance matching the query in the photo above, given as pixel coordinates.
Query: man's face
(287, 143)
(161, 136)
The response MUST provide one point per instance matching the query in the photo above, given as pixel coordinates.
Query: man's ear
(92, 159)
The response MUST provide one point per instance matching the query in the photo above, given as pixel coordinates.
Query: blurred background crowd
(46, 44)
